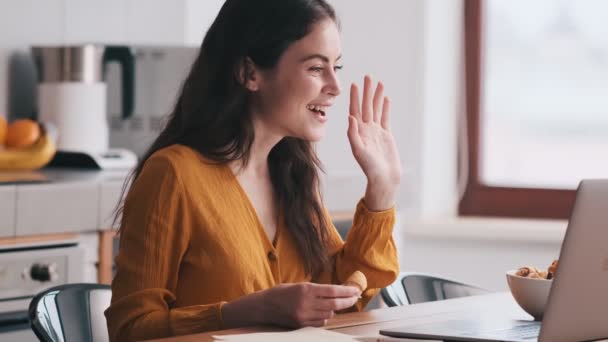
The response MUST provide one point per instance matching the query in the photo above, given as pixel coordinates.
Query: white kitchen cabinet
(133, 22)
(57, 207)
(95, 21)
(199, 17)
(31, 22)
(170, 22)
(155, 22)
(8, 194)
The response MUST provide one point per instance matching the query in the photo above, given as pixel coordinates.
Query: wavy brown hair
(212, 116)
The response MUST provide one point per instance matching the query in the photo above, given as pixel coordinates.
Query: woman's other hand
(307, 304)
(290, 305)
(373, 144)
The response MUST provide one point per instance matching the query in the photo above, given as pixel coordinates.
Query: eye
(317, 69)
(338, 67)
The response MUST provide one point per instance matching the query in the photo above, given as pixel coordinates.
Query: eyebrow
(319, 56)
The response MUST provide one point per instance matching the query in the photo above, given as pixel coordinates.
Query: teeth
(317, 108)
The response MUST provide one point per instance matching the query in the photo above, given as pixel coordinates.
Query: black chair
(71, 313)
(413, 288)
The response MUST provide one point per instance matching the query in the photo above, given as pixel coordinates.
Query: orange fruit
(22, 133)
(3, 129)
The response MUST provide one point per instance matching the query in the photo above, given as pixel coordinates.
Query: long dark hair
(211, 114)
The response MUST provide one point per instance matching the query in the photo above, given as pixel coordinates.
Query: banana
(32, 157)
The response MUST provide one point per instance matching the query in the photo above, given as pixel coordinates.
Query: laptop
(578, 300)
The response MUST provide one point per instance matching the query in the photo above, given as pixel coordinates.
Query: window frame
(480, 199)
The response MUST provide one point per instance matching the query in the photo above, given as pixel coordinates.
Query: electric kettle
(72, 97)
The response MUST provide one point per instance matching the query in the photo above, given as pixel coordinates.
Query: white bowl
(530, 293)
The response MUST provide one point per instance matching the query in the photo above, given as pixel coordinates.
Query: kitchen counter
(61, 175)
(58, 200)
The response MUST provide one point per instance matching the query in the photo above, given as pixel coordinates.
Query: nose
(333, 84)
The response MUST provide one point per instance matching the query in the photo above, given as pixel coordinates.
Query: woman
(223, 225)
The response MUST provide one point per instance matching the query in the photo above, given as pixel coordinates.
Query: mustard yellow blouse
(191, 241)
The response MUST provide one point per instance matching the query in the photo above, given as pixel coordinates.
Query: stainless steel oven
(25, 270)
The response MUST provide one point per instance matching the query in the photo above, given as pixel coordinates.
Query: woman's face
(294, 97)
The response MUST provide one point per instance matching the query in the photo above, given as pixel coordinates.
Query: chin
(314, 135)
(315, 139)
(308, 136)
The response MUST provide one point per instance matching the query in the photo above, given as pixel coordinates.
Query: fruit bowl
(30, 146)
(530, 293)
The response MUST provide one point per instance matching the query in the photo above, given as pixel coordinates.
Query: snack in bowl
(531, 272)
(552, 270)
(530, 288)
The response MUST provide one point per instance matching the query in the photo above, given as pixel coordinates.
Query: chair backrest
(70, 313)
(394, 294)
(414, 287)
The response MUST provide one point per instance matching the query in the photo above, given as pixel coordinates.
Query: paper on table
(301, 335)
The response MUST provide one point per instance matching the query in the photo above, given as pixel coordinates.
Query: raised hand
(373, 144)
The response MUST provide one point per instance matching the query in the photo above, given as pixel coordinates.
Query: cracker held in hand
(357, 279)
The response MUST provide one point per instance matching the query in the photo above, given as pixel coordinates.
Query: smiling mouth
(321, 110)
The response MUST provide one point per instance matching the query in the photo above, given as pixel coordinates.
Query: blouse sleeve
(369, 248)
(154, 236)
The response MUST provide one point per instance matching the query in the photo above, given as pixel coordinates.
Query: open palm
(370, 137)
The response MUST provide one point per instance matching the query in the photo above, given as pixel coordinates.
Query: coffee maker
(72, 99)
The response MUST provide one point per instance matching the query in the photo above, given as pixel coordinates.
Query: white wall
(381, 38)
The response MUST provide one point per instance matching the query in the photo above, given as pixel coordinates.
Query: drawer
(57, 208)
(8, 194)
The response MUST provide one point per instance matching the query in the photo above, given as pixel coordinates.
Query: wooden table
(370, 322)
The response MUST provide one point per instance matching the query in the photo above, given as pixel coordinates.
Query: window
(537, 104)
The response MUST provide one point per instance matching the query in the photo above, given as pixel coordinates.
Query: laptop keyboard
(524, 332)
(479, 330)
(515, 332)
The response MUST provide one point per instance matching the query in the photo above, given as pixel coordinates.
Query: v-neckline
(274, 243)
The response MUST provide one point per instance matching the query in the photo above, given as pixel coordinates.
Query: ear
(249, 75)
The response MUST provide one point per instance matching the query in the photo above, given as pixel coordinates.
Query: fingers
(355, 109)
(378, 99)
(312, 314)
(318, 315)
(316, 303)
(334, 297)
(386, 107)
(372, 108)
(333, 291)
(319, 323)
(367, 106)
(334, 304)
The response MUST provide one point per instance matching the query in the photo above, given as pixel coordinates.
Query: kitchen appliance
(159, 75)
(25, 270)
(72, 98)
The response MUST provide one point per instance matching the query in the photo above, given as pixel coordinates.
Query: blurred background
(499, 109)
